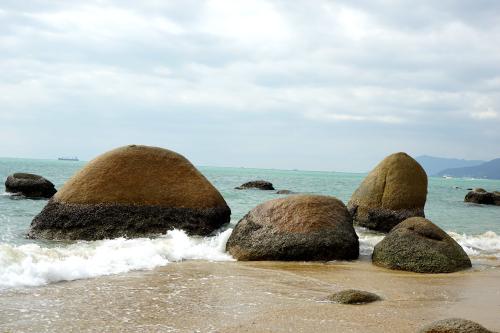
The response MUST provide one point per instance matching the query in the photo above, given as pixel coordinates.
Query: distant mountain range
(435, 165)
(490, 170)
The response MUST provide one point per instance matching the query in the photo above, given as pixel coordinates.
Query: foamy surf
(33, 265)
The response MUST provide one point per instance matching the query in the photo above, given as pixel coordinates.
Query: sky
(303, 84)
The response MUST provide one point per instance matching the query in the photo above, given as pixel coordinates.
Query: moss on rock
(418, 245)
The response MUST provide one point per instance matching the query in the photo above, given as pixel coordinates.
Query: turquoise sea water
(476, 227)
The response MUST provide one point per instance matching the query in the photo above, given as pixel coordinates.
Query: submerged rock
(284, 192)
(392, 192)
(480, 196)
(132, 191)
(353, 296)
(298, 227)
(257, 184)
(418, 245)
(30, 185)
(454, 325)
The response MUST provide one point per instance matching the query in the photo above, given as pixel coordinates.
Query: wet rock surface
(30, 185)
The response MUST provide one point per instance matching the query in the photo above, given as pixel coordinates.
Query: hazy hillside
(489, 170)
(434, 165)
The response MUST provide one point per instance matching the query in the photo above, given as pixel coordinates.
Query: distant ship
(68, 158)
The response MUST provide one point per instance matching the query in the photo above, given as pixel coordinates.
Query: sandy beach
(200, 296)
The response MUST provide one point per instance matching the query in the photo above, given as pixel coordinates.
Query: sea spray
(479, 246)
(34, 265)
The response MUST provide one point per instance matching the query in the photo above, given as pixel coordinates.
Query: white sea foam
(484, 245)
(33, 265)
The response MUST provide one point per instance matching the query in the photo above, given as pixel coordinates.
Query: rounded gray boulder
(418, 245)
(298, 227)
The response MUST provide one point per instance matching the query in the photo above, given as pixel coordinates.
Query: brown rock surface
(395, 190)
(298, 227)
(132, 191)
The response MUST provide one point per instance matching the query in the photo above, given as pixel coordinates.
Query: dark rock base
(381, 219)
(61, 221)
(252, 241)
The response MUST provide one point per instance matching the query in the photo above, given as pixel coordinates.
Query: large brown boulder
(29, 185)
(480, 196)
(392, 192)
(298, 227)
(418, 245)
(454, 325)
(132, 191)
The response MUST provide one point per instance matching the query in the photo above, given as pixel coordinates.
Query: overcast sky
(320, 85)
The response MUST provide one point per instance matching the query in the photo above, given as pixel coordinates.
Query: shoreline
(203, 296)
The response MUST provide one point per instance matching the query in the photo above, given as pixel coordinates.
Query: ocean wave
(486, 245)
(34, 265)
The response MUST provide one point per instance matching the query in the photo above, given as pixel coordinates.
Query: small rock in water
(284, 192)
(481, 196)
(257, 184)
(30, 185)
(454, 325)
(353, 296)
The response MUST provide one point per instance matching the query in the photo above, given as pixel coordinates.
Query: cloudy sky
(321, 85)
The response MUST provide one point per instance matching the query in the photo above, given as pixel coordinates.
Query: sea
(27, 263)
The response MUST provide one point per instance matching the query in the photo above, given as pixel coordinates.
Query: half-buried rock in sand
(454, 325)
(299, 227)
(418, 245)
(353, 296)
(132, 191)
(392, 192)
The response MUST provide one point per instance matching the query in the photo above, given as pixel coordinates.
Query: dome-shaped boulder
(392, 192)
(418, 245)
(29, 185)
(298, 227)
(132, 191)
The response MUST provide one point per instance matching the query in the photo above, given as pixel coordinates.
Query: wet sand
(200, 296)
